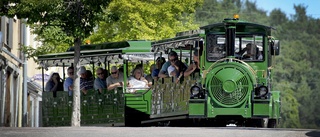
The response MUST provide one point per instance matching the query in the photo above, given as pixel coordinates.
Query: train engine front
(236, 75)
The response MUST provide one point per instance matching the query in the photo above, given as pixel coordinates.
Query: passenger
(68, 83)
(194, 67)
(159, 62)
(149, 76)
(180, 68)
(139, 66)
(86, 80)
(115, 80)
(173, 56)
(54, 84)
(137, 80)
(100, 81)
(89, 75)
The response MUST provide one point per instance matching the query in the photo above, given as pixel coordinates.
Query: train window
(215, 47)
(249, 48)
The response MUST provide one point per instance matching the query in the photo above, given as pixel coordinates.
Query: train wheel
(240, 123)
(272, 123)
(261, 123)
(220, 123)
(132, 122)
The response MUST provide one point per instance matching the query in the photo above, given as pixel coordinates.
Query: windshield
(247, 47)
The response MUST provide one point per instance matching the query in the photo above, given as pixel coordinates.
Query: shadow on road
(313, 134)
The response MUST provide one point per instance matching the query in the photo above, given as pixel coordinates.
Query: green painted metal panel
(138, 46)
(214, 110)
(276, 104)
(96, 108)
(244, 112)
(140, 100)
(134, 98)
(261, 109)
(196, 109)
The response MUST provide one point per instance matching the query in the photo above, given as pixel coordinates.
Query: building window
(6, 29)
(7, 33)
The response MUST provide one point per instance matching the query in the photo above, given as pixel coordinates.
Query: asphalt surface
(155, 132)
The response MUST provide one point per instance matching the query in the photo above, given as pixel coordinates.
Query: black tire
(255, 123)
(260, 123)
(272, 123)
(131, 122)
(220, 123)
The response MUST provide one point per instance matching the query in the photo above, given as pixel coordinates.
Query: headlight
(195, 90)
(262, 91)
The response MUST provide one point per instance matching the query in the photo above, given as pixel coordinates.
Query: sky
(313, 6)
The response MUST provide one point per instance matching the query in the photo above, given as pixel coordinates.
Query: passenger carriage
(108, 108)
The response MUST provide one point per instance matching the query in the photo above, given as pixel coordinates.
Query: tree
(75, 18)
(254, 14)
(300, 38)
(277, 17)
(146, 20)
(289, 106)
(53, 39)
(214, 11)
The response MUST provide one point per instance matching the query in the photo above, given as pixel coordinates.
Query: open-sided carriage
(103, 109)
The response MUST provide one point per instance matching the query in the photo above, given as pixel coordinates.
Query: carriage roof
(241, 26)
(100, 53)
(185, 40)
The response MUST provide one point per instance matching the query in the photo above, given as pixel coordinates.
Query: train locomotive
(234, 85)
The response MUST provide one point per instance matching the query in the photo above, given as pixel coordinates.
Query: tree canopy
(145, 20)
(72, 18)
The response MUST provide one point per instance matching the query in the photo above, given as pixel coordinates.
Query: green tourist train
(218, 75)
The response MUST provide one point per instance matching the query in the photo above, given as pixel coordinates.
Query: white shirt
(171, 69)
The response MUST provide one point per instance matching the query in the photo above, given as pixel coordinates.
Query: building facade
(19, 96)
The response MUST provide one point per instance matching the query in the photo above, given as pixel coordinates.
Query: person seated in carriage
(54, 84)
(137, 81)
(68, 83)
(86, 80)
(173, 56)
(100, 81)
(250, 52)
(194, 66)
(115, 79)
(159, 63)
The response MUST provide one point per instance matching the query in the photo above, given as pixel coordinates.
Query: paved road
(155, 132)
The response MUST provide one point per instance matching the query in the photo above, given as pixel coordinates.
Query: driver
(249, 52)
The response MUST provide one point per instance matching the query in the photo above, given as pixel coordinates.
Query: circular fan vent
(229, 85)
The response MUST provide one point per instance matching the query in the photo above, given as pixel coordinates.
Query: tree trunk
(75, 120)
